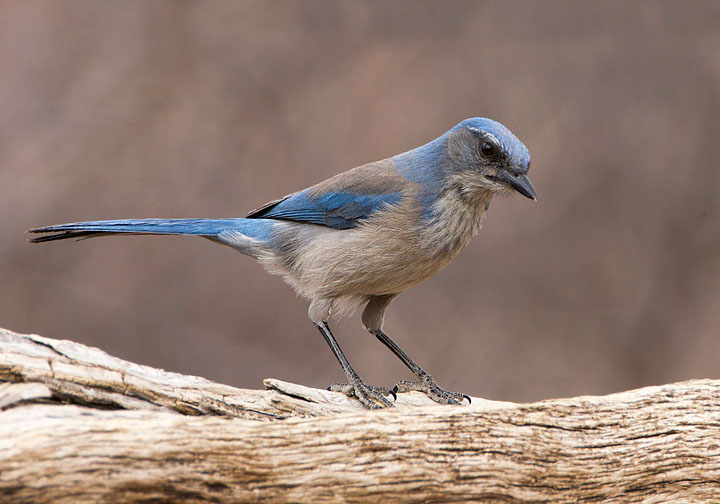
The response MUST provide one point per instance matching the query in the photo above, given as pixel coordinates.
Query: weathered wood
(81, 426)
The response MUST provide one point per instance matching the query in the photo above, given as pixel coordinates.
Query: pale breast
(395, 249)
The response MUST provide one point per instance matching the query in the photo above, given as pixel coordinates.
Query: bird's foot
(430, 388)
(371, 397)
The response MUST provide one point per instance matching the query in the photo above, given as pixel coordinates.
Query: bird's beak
(521, 184)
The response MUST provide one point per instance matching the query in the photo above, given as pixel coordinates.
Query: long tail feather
(199, 227)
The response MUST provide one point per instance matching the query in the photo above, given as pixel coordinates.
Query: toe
(429, 387)
(371, 397)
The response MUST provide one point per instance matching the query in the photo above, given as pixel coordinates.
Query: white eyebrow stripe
(485, 134)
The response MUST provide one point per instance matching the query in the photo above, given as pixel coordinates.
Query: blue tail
(208, 228)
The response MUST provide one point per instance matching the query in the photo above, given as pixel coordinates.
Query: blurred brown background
(209, 109)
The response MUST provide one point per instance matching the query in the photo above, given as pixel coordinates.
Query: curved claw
(465, 396)
(393, 393)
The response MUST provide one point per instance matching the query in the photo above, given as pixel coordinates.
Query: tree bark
(77, 426)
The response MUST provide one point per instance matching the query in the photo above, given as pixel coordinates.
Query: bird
(364, 236)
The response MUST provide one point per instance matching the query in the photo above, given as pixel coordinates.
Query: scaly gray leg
(425, 383)
(372, 318)
(371, 397)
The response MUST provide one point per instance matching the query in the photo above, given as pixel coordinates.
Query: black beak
(521, 184)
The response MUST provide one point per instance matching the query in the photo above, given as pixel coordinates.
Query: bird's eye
(488, 150)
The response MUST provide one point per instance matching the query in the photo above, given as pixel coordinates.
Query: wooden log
(78, 425)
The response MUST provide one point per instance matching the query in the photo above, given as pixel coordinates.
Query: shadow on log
(80, 426)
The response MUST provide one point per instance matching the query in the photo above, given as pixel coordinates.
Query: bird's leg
(372, 319)
(371, 397)
(426, 383)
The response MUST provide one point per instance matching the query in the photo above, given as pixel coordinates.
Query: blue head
(486, 156)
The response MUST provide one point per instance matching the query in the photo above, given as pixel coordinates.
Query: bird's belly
(362, 263)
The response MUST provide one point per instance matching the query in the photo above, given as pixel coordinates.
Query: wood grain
(78, 425)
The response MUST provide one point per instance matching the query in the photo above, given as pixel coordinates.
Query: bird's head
(487, 157)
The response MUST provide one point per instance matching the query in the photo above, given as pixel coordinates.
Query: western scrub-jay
(365, 235)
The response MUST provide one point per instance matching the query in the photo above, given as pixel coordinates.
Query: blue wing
(336, 210)
(342, 201)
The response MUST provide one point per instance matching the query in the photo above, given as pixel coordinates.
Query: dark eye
(488, 150)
